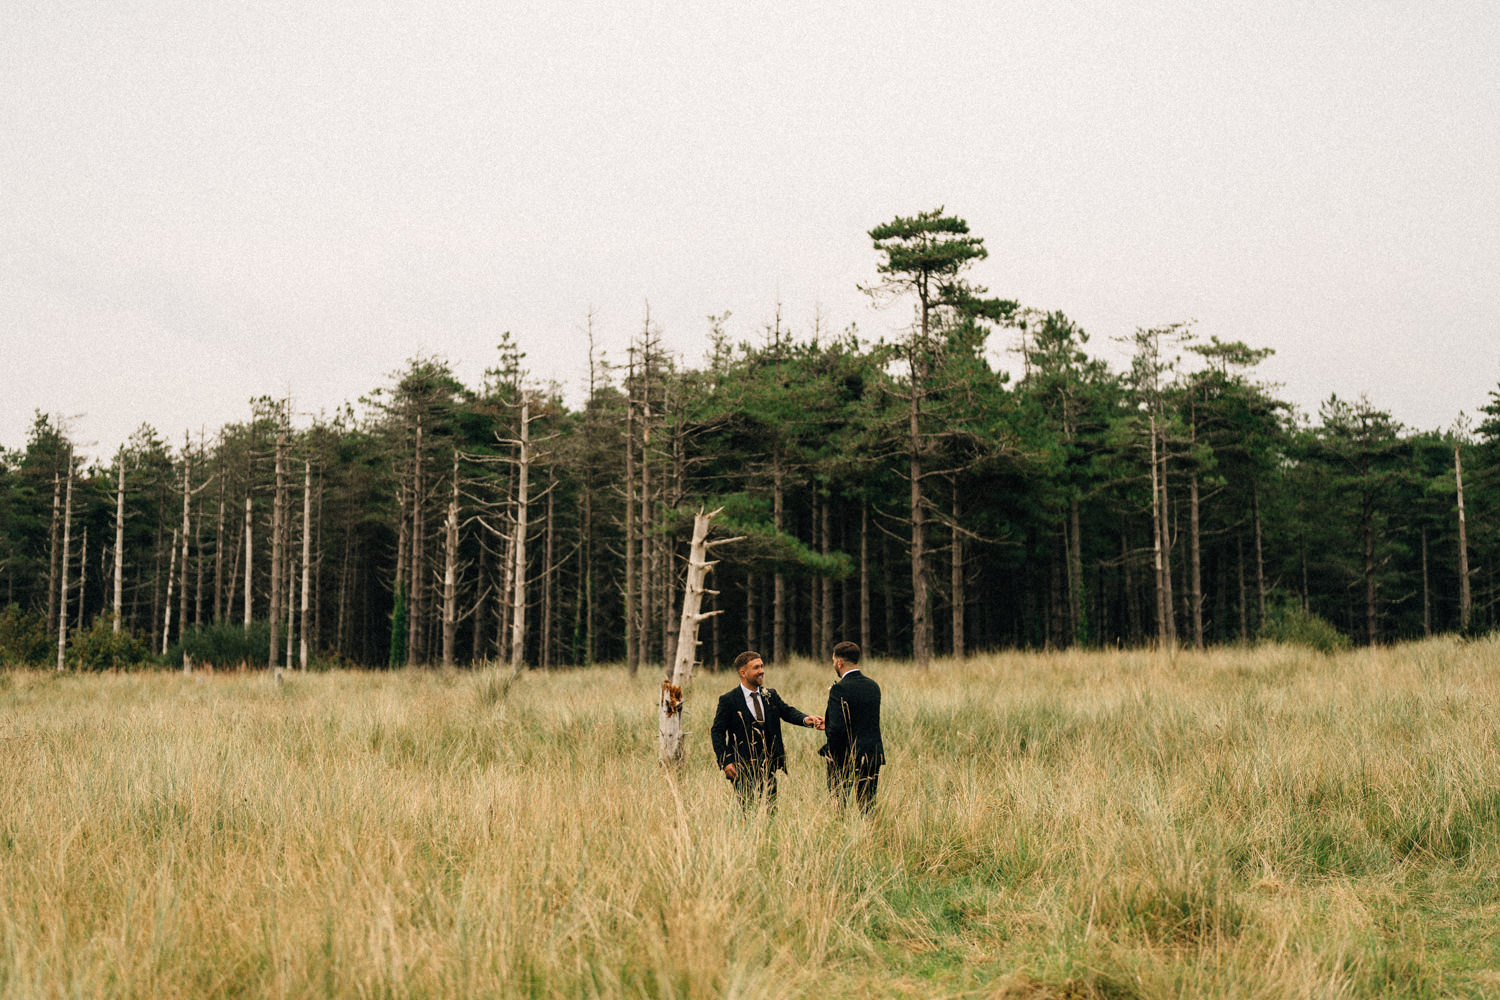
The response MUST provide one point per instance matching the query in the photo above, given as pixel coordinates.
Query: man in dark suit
(855, 751)
(747, 732)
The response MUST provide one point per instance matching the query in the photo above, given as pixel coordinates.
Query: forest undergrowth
(1265, 822)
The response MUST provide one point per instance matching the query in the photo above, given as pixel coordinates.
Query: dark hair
(746, 657)
(847, 651)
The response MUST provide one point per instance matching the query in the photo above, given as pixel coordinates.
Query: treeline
(899, 492)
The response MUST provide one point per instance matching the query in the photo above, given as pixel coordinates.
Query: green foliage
(224, 644)
(821, 446)
(1289, 623)
(99, 648)
(23, 639)
(750, 517)
(926, 254)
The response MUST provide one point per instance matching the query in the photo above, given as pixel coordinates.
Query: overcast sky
(201, 202)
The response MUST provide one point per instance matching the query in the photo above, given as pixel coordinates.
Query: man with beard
(747, 732)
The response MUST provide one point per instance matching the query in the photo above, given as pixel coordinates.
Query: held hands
(811, 721)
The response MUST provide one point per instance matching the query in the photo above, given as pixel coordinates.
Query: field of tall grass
(1242, 823)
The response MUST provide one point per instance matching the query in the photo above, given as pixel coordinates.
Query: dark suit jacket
(852, 722)
(737, 740)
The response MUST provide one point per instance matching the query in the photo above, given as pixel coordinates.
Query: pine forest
(900, 492)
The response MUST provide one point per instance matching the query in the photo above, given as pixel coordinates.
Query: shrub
(1290, 623)
(23, 639)
(223, 644)
(99, 648)
(1480, 626)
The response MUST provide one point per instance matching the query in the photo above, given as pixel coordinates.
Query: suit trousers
(862, 781)
(754, 783)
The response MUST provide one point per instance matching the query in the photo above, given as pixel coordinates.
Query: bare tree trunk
(187, 513)
(507, 585)
(478, 647)
(716, 649)
(343, 598)
(417, 584)
(219, 604)
(317, 580)
(1196, 583)
(249, 552)
(547, 573)
(306, 555)
(1260, 563)
(155, 616)
(825, 620)
(632, 634)
(667, 552)
(1081, 629)
(53, 552)
(166, 624)
(864, 576)
(580, 645)
(778, 579)
(232, 571)
(1158, 545)
(278, 518)
(398, 585)
(450, 571)
(1465, 601)
(119, 595)
(83, 576)
(1070, 581)
(432, 635)
(1367, 520)
(590, 646)
(752, 611)
(1167, 539)
(198, 567)
(644, 580)
(62, 594)
(518, 573)
(956, 580)
(590, 597)
(792, 617)
(291, 585)
(674, 686)
(920, 600)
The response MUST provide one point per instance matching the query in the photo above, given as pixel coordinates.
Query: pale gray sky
(201, 202)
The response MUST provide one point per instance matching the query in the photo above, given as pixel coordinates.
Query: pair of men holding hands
(747, 731)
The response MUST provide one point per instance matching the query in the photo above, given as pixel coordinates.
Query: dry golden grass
(1253, 823)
